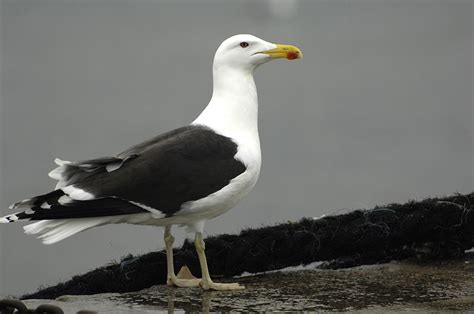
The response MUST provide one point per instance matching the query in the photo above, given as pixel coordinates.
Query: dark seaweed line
(435, 228)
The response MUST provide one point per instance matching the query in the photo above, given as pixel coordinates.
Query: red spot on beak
(292, 55)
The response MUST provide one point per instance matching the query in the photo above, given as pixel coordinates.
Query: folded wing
(156, 176)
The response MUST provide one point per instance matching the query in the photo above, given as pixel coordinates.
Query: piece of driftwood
(435, 228)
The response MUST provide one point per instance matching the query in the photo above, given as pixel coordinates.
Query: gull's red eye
(244, 44)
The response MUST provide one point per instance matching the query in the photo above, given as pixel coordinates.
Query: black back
(183, 165)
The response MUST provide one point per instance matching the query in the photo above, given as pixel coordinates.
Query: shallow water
(388, 287)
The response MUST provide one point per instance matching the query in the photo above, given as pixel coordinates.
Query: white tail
(52, 231)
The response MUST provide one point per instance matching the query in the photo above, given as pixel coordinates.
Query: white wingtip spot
(60, 162)
(9, 219)
(65, 200)
(113, 166)
(45, 205)
(77, 194)
(57, 173)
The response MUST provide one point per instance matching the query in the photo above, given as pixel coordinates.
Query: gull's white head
(233, 108)
(247, 52)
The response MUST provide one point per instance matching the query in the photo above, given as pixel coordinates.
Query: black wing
(186, 165)
(183, 165)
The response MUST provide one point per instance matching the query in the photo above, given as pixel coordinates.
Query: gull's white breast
(217, 203)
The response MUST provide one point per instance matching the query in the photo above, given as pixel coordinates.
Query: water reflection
(205, 300)
(171, 293)
(171, 297)
(350, 289)
(446, 285)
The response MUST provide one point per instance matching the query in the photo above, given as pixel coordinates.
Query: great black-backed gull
(183, 177)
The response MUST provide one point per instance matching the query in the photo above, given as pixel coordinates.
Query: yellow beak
(285, 51)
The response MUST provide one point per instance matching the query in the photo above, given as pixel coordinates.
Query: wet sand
(396, 286)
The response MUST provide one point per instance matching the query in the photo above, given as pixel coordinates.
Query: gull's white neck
(233, 109)
(233, 112)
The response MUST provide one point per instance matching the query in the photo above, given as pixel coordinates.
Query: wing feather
(183, 165)
(156, 176)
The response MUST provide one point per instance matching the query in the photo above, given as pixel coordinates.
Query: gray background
(378, 111)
